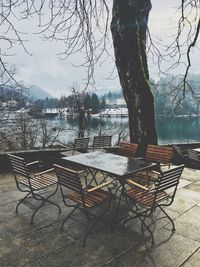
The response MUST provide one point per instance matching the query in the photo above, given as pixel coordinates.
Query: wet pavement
(42, 243)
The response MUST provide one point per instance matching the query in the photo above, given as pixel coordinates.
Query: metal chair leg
(20, 201)
(98, 218)
(68, 216)
(173, 225)
(43, 202)
(148, 229)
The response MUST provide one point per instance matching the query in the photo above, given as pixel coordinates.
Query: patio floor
(42, 244)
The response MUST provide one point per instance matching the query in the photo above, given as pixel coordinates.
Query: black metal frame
(167, 179)
(71, 179)
(20, 168)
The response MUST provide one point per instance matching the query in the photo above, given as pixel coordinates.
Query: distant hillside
(37, 92)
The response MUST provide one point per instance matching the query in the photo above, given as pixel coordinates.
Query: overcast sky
(44, 68)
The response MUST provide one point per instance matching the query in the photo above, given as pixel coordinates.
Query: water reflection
(169, 130)
(178, 130)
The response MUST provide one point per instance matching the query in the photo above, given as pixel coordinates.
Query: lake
(169, 130)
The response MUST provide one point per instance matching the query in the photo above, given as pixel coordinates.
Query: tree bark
(129, 27)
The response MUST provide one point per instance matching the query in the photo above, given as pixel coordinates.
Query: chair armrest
(99, 186)
(155, 172)
(32, 163)
(129, 181)
(166, 164)
(40, 173)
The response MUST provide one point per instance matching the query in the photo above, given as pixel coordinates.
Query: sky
(44, 68)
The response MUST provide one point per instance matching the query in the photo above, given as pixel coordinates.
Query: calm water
(169, 130)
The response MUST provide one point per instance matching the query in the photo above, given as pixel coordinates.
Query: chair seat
(90, 199)
(146, 198)
(40, 182)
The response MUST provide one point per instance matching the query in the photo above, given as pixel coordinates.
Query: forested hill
(38, 93)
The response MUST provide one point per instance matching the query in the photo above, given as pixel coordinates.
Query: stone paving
(42, 244)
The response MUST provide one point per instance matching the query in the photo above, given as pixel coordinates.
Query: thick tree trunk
(129, 26)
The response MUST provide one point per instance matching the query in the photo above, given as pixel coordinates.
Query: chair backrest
(68, 178)
(81, 143)
(169, 179)
(128, 149)
(19, 166)
(159, 154)
(193, 155)
(102, 141)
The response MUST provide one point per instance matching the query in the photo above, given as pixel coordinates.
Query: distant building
(10, 103)
(120, 101)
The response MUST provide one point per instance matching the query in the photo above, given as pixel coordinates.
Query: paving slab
(27, 248)
(42, 244)
(194, 187)
(100, 248)
(159, 221)
(194, 260)
(10, 196)
(7, 211)
(183, 183)
(5, 187)
(184, 200)
(191, 174)
(169, 250)
(6, 178)
(188, 224)
(19, 224)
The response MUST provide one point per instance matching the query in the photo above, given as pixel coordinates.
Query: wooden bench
(102, 141)
(127, 149)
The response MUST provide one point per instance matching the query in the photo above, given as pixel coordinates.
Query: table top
(113, 164)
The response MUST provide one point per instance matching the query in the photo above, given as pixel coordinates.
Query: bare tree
(79, 96)
(83, 26)
(20, 133)
(23, 132)
(48, 134)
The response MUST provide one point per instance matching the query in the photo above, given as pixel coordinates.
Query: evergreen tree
(103, 103)
(87, 102)
(95, 103)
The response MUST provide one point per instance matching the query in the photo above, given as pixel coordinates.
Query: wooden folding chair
(33, 185)
(84, 198)
(80, 144)
(127, 149)
(161, 155)
(102, 141)
(145, 200)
